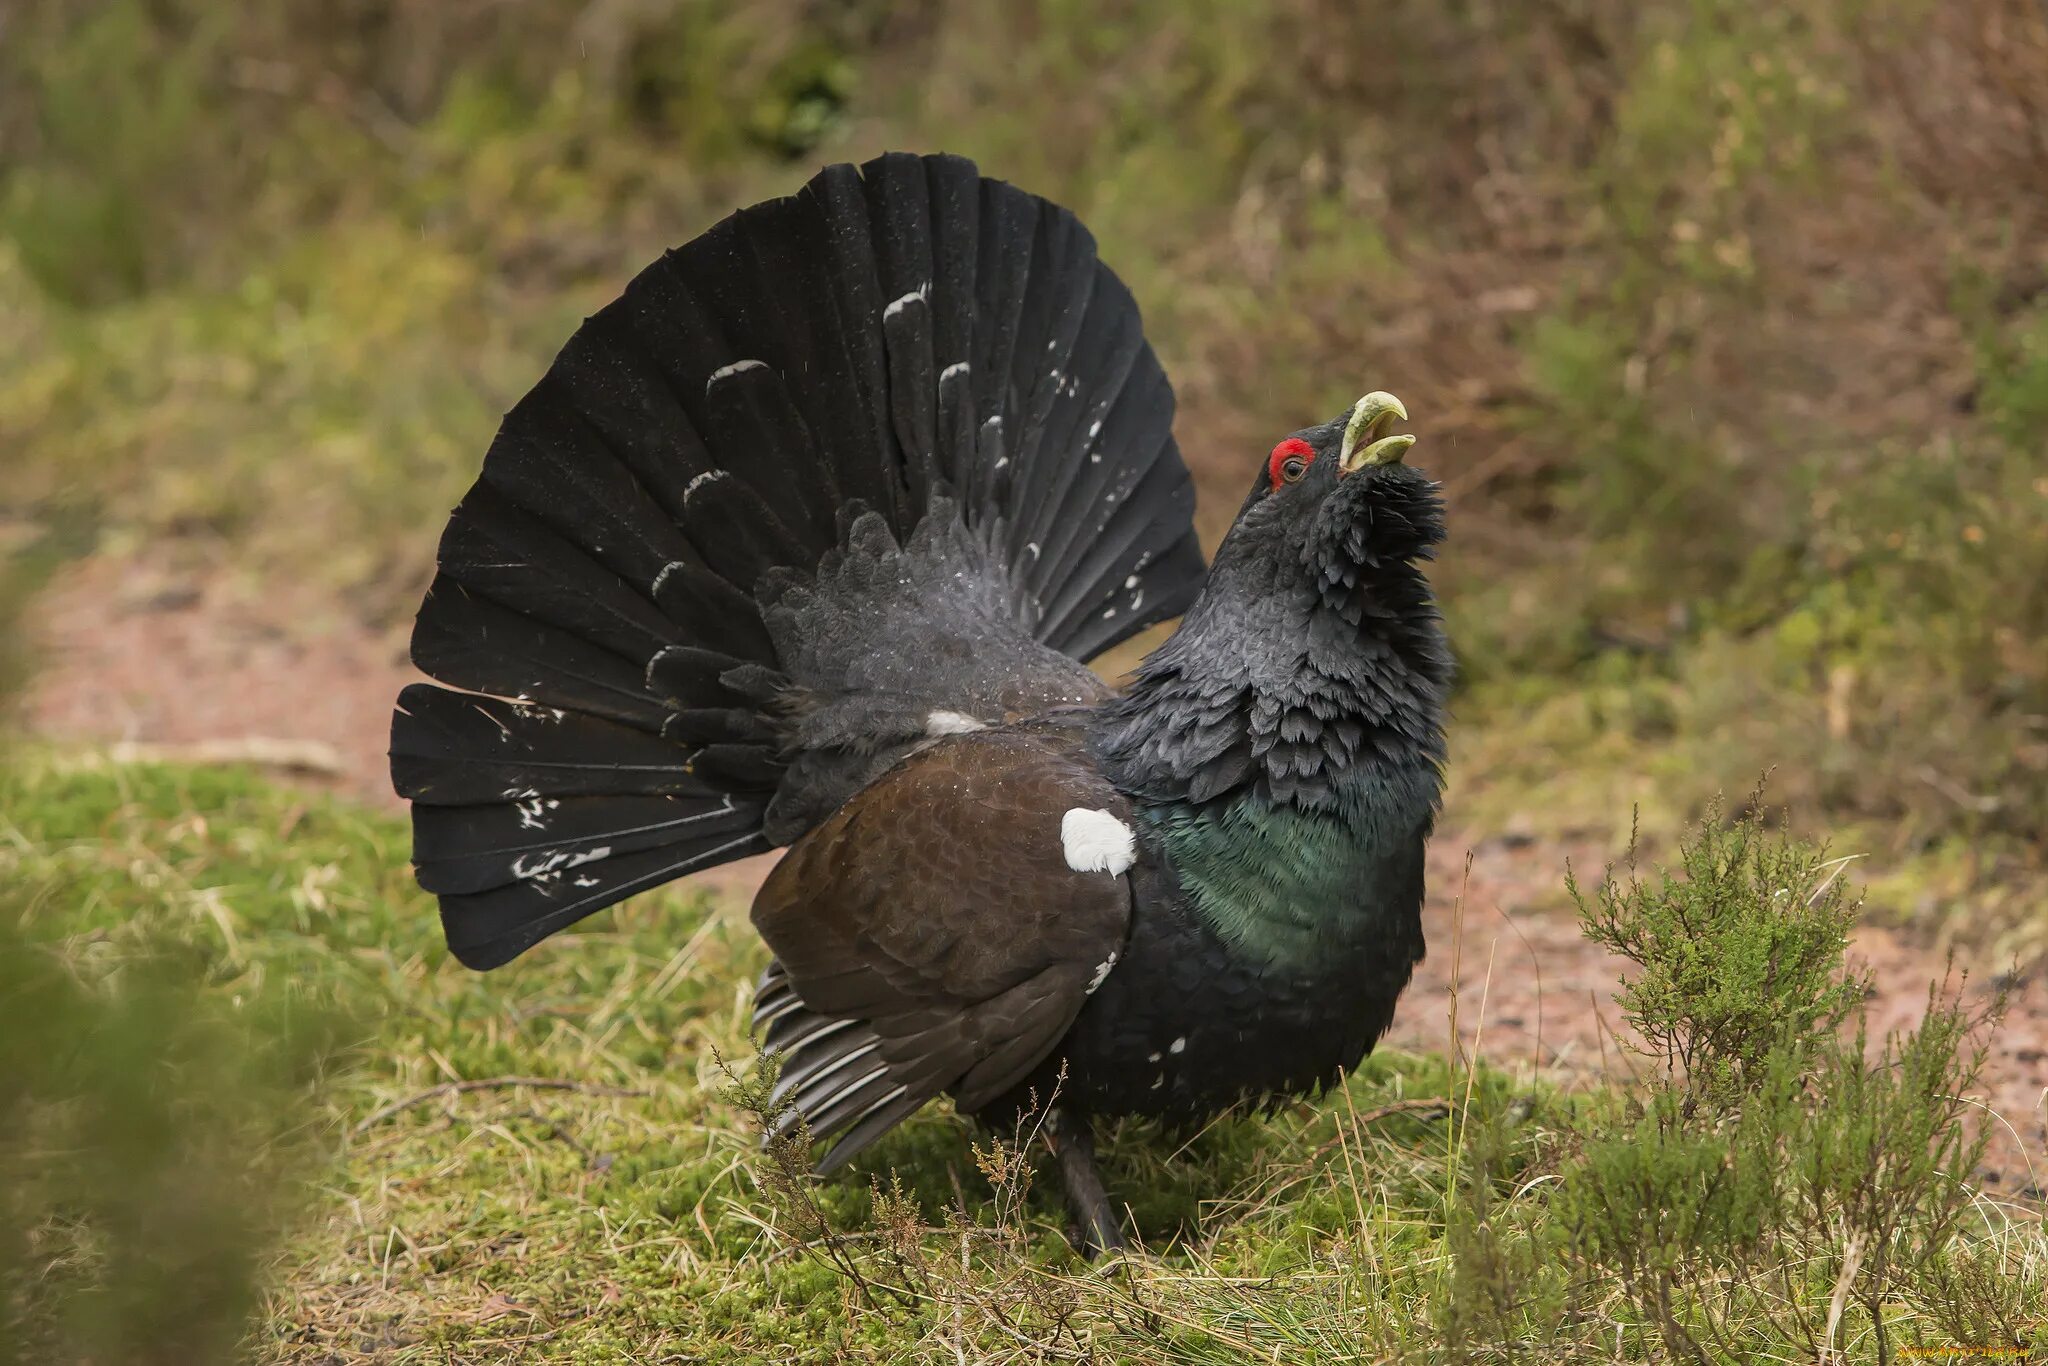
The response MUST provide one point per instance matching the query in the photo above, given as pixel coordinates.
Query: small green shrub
(1771, 1182)
(1738, 956)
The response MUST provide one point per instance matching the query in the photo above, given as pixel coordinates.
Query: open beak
(1365, 441)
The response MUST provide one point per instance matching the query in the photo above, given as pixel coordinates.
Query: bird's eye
(1289, 461)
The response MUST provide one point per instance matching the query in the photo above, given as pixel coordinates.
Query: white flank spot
(738, 367)
(950, 723)
(1101, 974)
(897, 307)
(1095, 429)
(1151, 1057)
(958, 367)
(1179, 1045)
(1131, 582)
(1097, 842)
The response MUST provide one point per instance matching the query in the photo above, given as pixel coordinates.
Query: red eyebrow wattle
(1293, 445)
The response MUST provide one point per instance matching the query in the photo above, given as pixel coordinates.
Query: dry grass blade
(463, 1088)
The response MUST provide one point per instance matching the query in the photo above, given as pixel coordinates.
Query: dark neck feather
(1313, 680)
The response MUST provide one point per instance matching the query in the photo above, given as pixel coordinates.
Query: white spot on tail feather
(699, 482)
(958, 367)
(659, 579)
(899, 305)
(553, 861)
(736, 368)
(950, 723)
(1097, 842)
(1179, 1045)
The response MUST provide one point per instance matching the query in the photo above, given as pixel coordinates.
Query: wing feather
(935, 933)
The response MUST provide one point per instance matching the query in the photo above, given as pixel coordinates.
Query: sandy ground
(190, 666)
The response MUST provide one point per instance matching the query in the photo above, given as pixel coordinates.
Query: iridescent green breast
(1292, 888)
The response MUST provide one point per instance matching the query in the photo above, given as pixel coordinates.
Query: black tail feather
(472, 642)
(476, 848)
(495, 550)
(489, 929)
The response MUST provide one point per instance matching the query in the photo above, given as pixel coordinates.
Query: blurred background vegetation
(1726, 325)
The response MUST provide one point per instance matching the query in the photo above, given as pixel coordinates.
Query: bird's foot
(1096, 1229)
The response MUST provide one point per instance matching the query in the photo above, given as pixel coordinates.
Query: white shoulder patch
(1097, 842)
(950, 723)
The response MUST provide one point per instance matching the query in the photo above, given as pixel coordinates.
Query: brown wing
(932, 935)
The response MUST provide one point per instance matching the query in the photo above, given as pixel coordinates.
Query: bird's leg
(1072, 1139)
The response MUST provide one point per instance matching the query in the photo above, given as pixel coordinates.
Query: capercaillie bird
(802, 542)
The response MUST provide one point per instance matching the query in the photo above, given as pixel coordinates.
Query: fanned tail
(890, 447)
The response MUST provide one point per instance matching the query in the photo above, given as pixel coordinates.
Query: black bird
(801, 542)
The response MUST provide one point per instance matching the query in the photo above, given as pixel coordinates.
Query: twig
(1852, 1261)
(313, 757)
(456, 1088)
(1434, 1106)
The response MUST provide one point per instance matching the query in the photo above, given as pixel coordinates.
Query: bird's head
(1315, 659)
(1339, 502)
